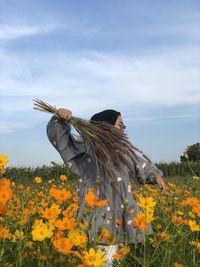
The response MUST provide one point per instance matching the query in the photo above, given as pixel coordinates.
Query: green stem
(191, 168)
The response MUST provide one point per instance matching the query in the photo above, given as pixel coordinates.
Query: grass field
(38, 224)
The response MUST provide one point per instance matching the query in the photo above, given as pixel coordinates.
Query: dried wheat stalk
(107, 142)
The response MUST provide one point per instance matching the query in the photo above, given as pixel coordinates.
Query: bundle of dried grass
(105, 140)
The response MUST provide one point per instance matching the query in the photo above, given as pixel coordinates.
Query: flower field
(38, 224)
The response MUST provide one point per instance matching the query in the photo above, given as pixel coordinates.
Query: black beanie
(108, 115)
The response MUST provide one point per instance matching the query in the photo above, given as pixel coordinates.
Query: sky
(141, 58)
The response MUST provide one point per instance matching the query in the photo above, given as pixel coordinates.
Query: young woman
(115, 216)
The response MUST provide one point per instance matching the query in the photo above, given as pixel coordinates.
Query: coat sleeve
(147, 171)
(68, 145)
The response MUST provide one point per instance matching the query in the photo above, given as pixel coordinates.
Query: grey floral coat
(119, 192)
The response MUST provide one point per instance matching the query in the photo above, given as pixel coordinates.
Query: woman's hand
(65, 114)
(161, 183)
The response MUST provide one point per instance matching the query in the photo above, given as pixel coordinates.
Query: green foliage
(193, 153)
(175, 168)
(27, 174)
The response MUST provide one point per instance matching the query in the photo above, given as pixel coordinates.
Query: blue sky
(141, 58)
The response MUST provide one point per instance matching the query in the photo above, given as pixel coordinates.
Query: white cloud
(91, 81)
(12, 126)
(169, 78)
(11, 32)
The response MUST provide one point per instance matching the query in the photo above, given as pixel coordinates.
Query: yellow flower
(191, 214)
(93, 258)
(195, 177)
(84, 224)
(193, 225)
(196, 244)
(146, 202)
(179, 212)
(185, 154)
(29, 244)
(159, 226)
(149, 215)
(3, 160)
(18, 235)
(38, 179)
(78, 238)
(131, 211)
(41, 230)
(107, 236)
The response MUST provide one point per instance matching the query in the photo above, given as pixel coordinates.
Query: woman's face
(119, 124)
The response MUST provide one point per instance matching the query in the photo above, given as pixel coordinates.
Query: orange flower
(51, 213)
(4, 183)
(27, 190)
(15, 203)
(60, 195)
(107, 236)
(75, 198)
(140, 223)
(63, 178)
(70, 210)
(65, 223)
(192, 201)
(41, 194)
(20, 187)
(92, 200)
(2, 208)
(164, 235)
(5, 195)
(4, 233)
(31, 204)
(176, 264)
(118, 222)
(57, 235)
(26, 212)
(24, 220)
(196, 209)
(2, 170)
(43, 203)
(179, 220)
(167, 209)
(63, 245)
(124, 250)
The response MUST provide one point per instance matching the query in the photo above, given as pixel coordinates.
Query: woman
(115, 216)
